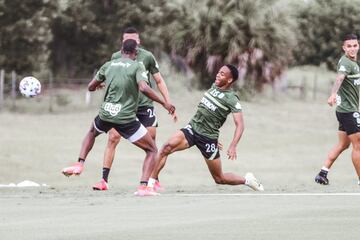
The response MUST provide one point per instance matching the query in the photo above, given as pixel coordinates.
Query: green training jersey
(121, 76)
(148, 60)
(347, 98)
(212, 111)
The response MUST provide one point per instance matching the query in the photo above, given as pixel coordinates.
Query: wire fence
(305, 87)
(51, 89)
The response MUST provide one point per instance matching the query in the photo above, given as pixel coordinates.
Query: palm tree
(251, 34)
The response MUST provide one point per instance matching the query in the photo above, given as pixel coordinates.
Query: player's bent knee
(114, 139)
(166, 149)
(219, 180)
(344, 147)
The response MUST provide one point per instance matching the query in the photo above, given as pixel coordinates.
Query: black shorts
(349, 122)
(132, 131)
(147, 117)
(207, 146)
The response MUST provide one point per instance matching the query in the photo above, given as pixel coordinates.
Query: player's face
(351, 48)
(133, 36)
(223, 77)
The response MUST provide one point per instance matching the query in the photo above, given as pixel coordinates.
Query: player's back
(147, 59)
(121, 97)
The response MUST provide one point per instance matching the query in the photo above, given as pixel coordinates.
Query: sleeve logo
(338, 100)
(143, 74)
(342, 68)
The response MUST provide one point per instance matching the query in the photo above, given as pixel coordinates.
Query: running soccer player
(345, 93)
(124, 78)
(203, 131)
(145, 112)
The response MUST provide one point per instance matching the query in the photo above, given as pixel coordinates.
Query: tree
(250, 34)
(322, 25)
(88, 32)
(25, 34)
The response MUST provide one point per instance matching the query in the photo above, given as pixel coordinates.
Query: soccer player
(203, 131)
(124, 78)
(345, 93)
(145, 112)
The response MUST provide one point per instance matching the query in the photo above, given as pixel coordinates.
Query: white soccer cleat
(253, 183)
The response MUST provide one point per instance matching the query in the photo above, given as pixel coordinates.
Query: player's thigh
(177, 142)
(355, 140)
(152, 132)
(344, 140)
(214, 167)
(146, 143)
(114, 137)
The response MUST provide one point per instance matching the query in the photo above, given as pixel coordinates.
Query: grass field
(284, 144)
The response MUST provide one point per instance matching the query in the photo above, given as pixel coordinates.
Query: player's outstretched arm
(161, 86)
(339, 79)
(163, 89)
(239, 129)
(147, 91)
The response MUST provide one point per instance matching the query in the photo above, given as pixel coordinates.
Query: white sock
(325, 169)
(151, 182)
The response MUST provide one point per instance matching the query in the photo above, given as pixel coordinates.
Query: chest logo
(113, 109)
(208, 104)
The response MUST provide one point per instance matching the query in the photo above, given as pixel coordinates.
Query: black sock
(144, 183)
(105, 174)
(81, 160)
(323, 173)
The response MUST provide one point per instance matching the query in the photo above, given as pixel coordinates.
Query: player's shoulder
(344, 61)
(232, 99)
(137, 66)
(231, 95)
(106, 64)
(145, 53)
(116, 55)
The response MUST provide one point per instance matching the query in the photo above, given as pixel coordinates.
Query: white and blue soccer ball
(30, 87)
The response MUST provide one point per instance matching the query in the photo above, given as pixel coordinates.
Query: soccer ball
(29, 87)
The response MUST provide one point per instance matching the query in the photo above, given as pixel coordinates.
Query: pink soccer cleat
(101, 186)
(75, 169)
(158, 187)
(144, 191)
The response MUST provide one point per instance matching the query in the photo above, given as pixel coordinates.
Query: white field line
(260, 194)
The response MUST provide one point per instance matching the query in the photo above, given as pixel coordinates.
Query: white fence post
(2, 78)
(51, 80)
(88, 93)
(13, 89)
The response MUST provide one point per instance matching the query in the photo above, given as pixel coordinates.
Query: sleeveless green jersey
(121, 76)
(148, 60)
(212, 111)
(347, 98)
